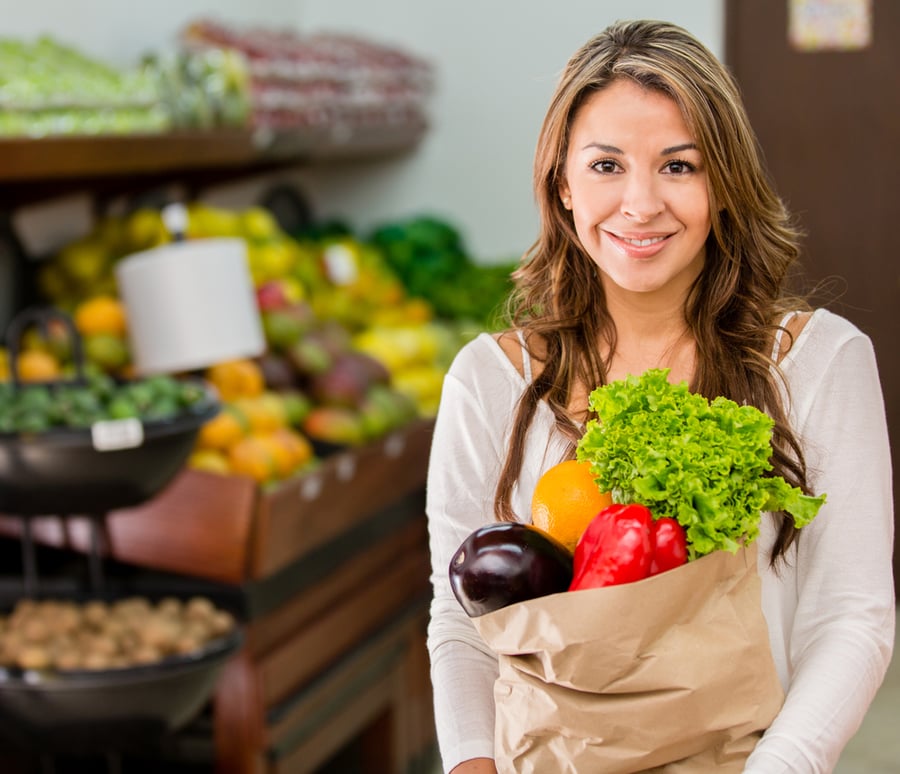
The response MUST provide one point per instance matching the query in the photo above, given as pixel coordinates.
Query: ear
(564, 196)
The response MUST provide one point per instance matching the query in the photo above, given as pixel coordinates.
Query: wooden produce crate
(225, 528)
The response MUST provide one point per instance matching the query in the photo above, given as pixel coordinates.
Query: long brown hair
(735, 305)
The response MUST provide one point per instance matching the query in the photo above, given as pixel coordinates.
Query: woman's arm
(465, 459)
(840, 640)
(475, 766)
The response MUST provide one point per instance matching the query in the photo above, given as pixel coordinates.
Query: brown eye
(605, 166)
(678, 167)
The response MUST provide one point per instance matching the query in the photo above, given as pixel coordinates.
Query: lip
(625, 243)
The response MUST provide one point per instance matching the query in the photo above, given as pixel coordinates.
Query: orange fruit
(297, 445)
(264, 413)
(101, 314)
(236, 379)
(223, 431)
(565, 500)
(253, 457)
(281, 455)
(35, 365)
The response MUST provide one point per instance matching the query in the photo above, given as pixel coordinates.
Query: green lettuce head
(701, 462)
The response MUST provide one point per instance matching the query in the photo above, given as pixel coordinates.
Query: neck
(651, 335)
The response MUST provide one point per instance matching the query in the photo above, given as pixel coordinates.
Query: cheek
(694, 209)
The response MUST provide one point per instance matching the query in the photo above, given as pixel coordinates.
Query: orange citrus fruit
(236, 379)
(253, 457)
(565, 500)
(101, 314)
(224, 430)
(35, 365)
(297, 445)
(281, 455)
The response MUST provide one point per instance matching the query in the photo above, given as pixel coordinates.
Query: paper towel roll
(190, 304)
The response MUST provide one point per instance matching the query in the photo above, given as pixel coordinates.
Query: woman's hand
(475, 766)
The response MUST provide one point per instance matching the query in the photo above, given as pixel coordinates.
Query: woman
(662, 244)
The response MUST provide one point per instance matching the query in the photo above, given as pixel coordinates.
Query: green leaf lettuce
(701, 462)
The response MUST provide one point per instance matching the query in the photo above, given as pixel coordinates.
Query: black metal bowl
(116, 709)
(62, 470)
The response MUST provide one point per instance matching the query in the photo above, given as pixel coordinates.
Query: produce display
(51, 89)
(687, 477)
(352, 351)
(39, 407)
(429, 256)
(59, 635)
(320, 80)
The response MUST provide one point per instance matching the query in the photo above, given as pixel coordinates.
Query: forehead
(627, 108)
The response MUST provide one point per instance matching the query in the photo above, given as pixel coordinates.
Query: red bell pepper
(669, 545)
(623, 543)
(615, 548)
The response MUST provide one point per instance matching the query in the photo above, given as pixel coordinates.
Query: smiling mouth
(643, 242)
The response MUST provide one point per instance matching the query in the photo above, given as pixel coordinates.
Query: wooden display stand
(333, 569)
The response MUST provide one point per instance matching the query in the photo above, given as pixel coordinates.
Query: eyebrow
(664, 152)
(678, 148)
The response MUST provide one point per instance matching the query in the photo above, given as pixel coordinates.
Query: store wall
(496, 63)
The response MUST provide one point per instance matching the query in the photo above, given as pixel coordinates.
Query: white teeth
(643, 242)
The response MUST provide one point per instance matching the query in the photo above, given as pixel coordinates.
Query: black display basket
(65, 472)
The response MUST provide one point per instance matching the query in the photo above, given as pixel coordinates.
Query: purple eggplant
(507, 562)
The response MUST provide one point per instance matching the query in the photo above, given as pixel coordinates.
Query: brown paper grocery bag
(670, 674)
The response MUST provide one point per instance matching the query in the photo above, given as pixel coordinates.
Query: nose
(641, 201)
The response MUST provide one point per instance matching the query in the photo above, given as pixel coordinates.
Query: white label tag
(340, 264)
(114, 434)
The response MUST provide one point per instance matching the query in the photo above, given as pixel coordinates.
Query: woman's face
(636, 185)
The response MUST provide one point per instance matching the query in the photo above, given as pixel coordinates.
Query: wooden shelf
(55, 158)
(36, 169)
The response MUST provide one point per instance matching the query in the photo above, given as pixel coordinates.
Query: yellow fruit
(144, 228)
(270, 261)
(205, 221)
(223, 431)
(107, 350)
(565, 500)
(35, 365)
(280, 453)
(298, 446)
(259, 224)
(101, 314)
(84, 260)
(421, 383)
(235, 379)
(253, 457)
(209, 460)
(264, 413)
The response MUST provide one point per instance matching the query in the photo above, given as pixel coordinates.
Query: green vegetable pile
(700, 462)
(429, 257)
(35, 408)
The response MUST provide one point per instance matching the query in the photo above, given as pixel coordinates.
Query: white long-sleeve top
(830, 610)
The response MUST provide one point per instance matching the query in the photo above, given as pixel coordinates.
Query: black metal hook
(42, 317)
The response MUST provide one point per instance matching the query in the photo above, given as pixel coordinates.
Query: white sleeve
(467, 450)
(841, 637)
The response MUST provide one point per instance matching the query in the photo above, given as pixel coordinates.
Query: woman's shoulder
(815, 331)
(485, 355)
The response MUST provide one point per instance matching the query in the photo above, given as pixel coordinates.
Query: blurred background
(372, 161)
